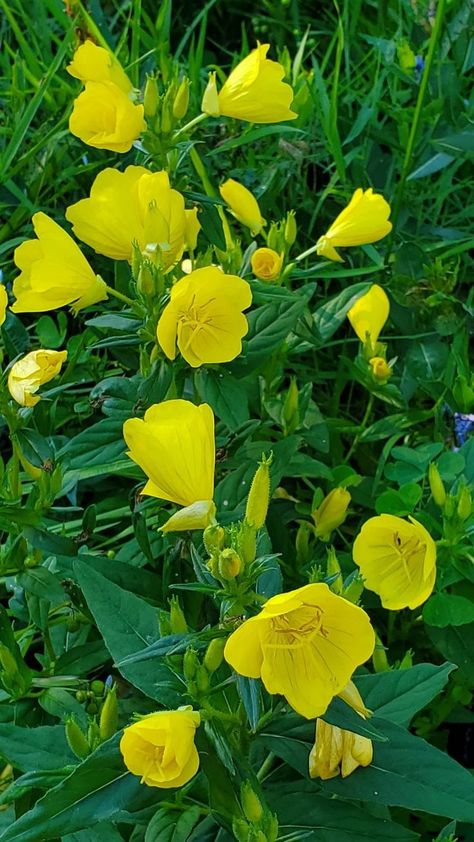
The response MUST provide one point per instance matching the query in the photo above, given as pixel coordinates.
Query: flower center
(297, 628)
(410, 551)
(190, 322)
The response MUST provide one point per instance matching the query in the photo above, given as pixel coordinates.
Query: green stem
(210, 712)
(265, 767)
(306, 253)
(192, 123)
(120, 296)
(362, 427)
(418, 110)
(212, 192)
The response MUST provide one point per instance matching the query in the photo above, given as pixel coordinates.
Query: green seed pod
(92, 708)
(97, 687)
(214, 654)
(438, 491)
(251, 804)
(108, 721)
(81, 696)
(76, 738)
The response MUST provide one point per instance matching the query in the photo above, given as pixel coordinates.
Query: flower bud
(407, 661)
(214, 654)
(97, 687)
(251, 804)
(76, 738)
(379, 658)
(108, 721)
(381, 370)
(464, 507)
(151, 97)
(291, 410)
(146, 279)
(353, 587)
(331, 513)
(202, 679)
(438, 490)
(164, 623)
(190, 664)
(241, 830)
(303, 534)
(181, 100)
(290, 228)
(136, 261)
(270, 826)
(274, 237)
(93, 735)
(213, 538)
(178, 622)
(333, 572)
(449, 506)
(266, 264)
(230, 564)
(259, 494)
(247, 542)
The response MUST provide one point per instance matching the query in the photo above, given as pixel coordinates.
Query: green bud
(214, 654)
(229, 565)
(213, 539)
(146, 279)
(202, 679)
(240, 830)
(93, 735)
(76, 738)
(167, 111)
(247, 542)
(81, 696)
(463, 393)
(164, 624)
(270, 826)
(251, 804)
(190, 664)
(259, 836)
(305, 530)
(333, 570)
(379, 657)
(407, 660)
(449, 506)
(290, 228)
(274, 237)
(438, 491)
(464, 507)
(151, 97)
(108, 721)
(136, 260)
(259, 494)
(178, 622)
(11, 674)
(353, 587)
(291, 412)
(97, 687)
(181, 100)
(92, 708)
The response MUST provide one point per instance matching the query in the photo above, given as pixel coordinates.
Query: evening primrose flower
(92, 63)
(54, 272)
(133, 206)
(243, 205)
(331, 513)
(364, 220)
(32, 371)
(304, 645)
(266, 264)
(174, 446)
(254, 91)
(381, 370)
(192, 227)
(369, 314)
(204, 317)
(397, 560)
(160, 748)
(3, 304)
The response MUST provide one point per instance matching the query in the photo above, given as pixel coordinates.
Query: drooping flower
(160, 747)
(243, 205)
(3, 304)
(32, 371)
(304, 645)
(369, 314)
(92, 63)
(254, 91)
(331, 513)
(381, 370)
(337, 751)
(204, 317)
(266, 264)
(54, 272)
(133, 206)
(397, 560)
(363, 221)
(174, 446)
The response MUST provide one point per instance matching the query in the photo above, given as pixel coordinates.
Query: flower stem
(116, 294)
(362, 427)
(306, 253)
(192, 123)
(211, 191)
(265, 767)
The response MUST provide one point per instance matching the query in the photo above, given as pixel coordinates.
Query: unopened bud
(202, 679)
(76, 738)
(407, 661)
(181, 100)
(108, 721)
(303, 534)
(290, 228)
(164, 624)
(190, 664)
(151, 97)
(333, 572)
(93, 735)
(379, 657)
(136, 260)
(241, 830)
(214, 654)
(146, 279)
(270, 826)
(251, 804)
(381, 370)
(230, 564)
(291, 413)
(178, 622)
(274, 237)
(247, 542)
(213, 539)
(259, 494)
(353, 587)
(464, 507)
(449, 506)
(331, 513)
(438, 490)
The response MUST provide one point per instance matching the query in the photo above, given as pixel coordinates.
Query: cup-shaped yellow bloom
(3, 303)
(174, 445)
(132, 206)
(32, 371)
(266, 264)
(254, 91)
(397, 560)
(380, 369)
(243, 205)
(364, 220)
(337, 752)
(331, 513)
(54, 272)
(304, 645)
(160, 747)
(192, 227)
(105, 117)
(96, 64)
(204, 317)
(369, 314)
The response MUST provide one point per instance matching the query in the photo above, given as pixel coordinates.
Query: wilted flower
(204, 317)
(54, 272)
(174, 446)
(397, 560)
(381, 370)
(253, 92)
(32, 371)
(369, 314)
(266, 264)
(160, 747)
(243, 205)
(364, 220)
(133, 206)
(92, 63)
(331, 513)
(305, 645)
(3, 303)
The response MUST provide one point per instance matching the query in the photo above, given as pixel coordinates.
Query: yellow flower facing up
(160, 748)
(3, 304)
(331, 513)
(32, 371)
(54, 272)
(174, 446)
(243, 205)
(204, 317)
(266, 264)
(381, 370)
(304, 645)
(363, 221)
(397, 560)
(96, 64)
(369, 314)
(133, 206)
(254, 91)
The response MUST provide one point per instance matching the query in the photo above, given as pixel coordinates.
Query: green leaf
(167, 826)
(445, 609)
(28, 749)
(103, 832)
(95, 445)
(398, 694)
(400, 502)
(211, 224)
(331, 315)
(454, 642)
(427, 360)
(227, 397)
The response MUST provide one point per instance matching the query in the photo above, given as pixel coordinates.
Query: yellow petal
(243, 205)
(369, 314)
(96, 64)
(3, 303)
(364, 220)
(196, 516)
(105, 117)
(255, 91)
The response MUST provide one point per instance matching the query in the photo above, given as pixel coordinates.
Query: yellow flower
(369, 314)
(54, 272)
(331, 513)
(32, 371)
(337, 752)
(305, 645)
(3, 303)
(364, 220)
(204, 317)
(174, 446)
(381, 370)
(397, 560)
(160, 747)
(96, 64)
(266, 264)
(132, 206)
(253, 92)
(243, 205)
(105, 117)
(192, 227)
